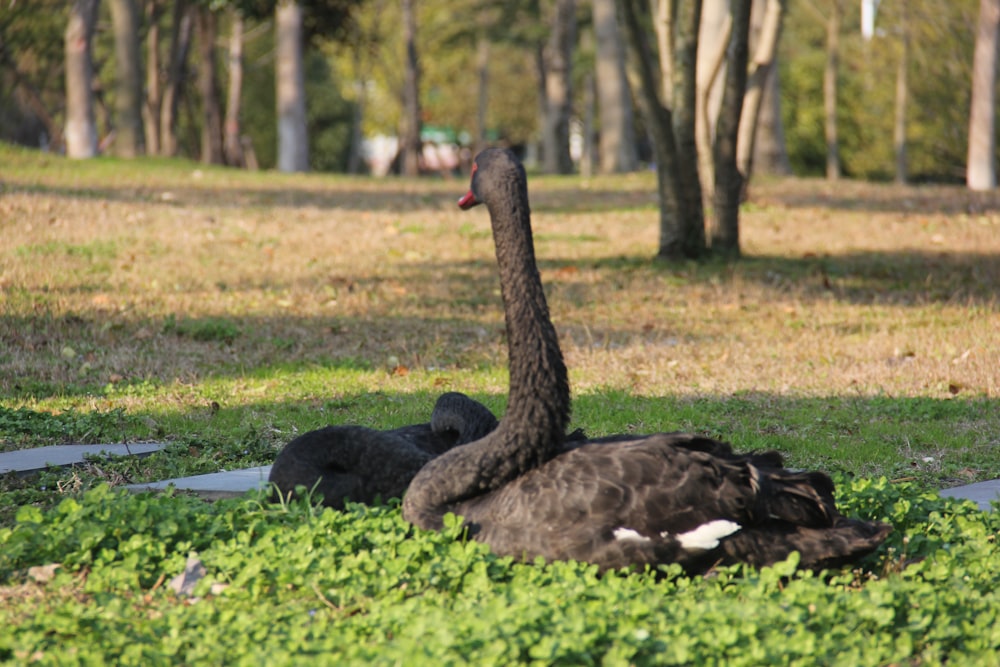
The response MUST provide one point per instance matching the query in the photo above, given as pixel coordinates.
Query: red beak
(468, 201)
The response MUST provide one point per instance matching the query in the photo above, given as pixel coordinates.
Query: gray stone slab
(214, 485)
(983, 493)
(32, 460)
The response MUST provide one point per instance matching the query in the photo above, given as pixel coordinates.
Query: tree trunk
(81, 128)
(688, 20)
(830, 91)
(483, 98)
(663, 22)
(129, 140)
(713, 42)
(902, 93)
(981, 168)
(151, 108)
(760, 71)
(208, 85)
(180, 44)
(559, 88)
(614, 101)
(770, 152)
(675, 241)
(232, 143)
(358, 113)
(410, 122)
(293, 138)
(725, 236)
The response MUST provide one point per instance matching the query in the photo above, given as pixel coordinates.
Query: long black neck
(538, 405)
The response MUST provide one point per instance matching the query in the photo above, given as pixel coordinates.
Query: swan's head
(491, 169)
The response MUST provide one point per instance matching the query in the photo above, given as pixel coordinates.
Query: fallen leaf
(400, 371)
(43, 573)
(184, 583)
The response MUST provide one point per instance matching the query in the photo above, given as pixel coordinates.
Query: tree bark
(675, 241)
(151, 108)
(410, 122)
(725, 235)
(208, 85)
(180, 44)
(293, 138)
(830, 90)
(902, 93)
(81, 128)
(760, 71)
(559, 88)
(129, 140)
(713, 43)
(614, 100)
(685, 64)
(981, 168)
(232, 143)
(770, 152)
(483, 79)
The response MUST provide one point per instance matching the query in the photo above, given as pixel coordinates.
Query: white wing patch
(707, 535)
(628, 535)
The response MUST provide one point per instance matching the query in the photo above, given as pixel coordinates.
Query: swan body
(361, 464)
(621, 501)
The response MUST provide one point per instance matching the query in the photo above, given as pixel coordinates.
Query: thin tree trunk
(559, 88)
(674, 242)
(760, 71)
(293, 138)
(208, 83)
(358, 114)
(180, 44)
(713, 43)
(151, 108)
(614, 101)
(587, 157)
(232, 143)
(663, 21)
(483, 97)
(830, 91)
(410, 131)
(902, 93)
(725, 236)
(981, 168)
(81, 128)
(770, 154)
(129, 140)
(685, 87)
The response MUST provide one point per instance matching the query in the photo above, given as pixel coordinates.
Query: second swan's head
(494, 171)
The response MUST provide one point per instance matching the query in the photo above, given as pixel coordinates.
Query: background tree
(81, 128)
(769, 17)
(830, 90)
(176, 75)
(617, 136)
(129, 139)
(409, 134)
(557, 58)
(232, 133)
(981, 170)
(207, 28)
(293, 141)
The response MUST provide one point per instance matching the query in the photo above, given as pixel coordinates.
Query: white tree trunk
(981, 169)
(617, 147)
(293, 140)
(81, 128)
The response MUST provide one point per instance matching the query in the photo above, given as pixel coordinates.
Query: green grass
(225, 312)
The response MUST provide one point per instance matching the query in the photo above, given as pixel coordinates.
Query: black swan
(361, 464)
(621, 501)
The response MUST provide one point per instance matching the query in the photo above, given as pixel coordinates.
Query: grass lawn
(224, 312)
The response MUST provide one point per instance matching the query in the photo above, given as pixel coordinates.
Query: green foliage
(938, 77)
(361, 586)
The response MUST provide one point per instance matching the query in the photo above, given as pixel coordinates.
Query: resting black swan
(361, 464)
(621, 501)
